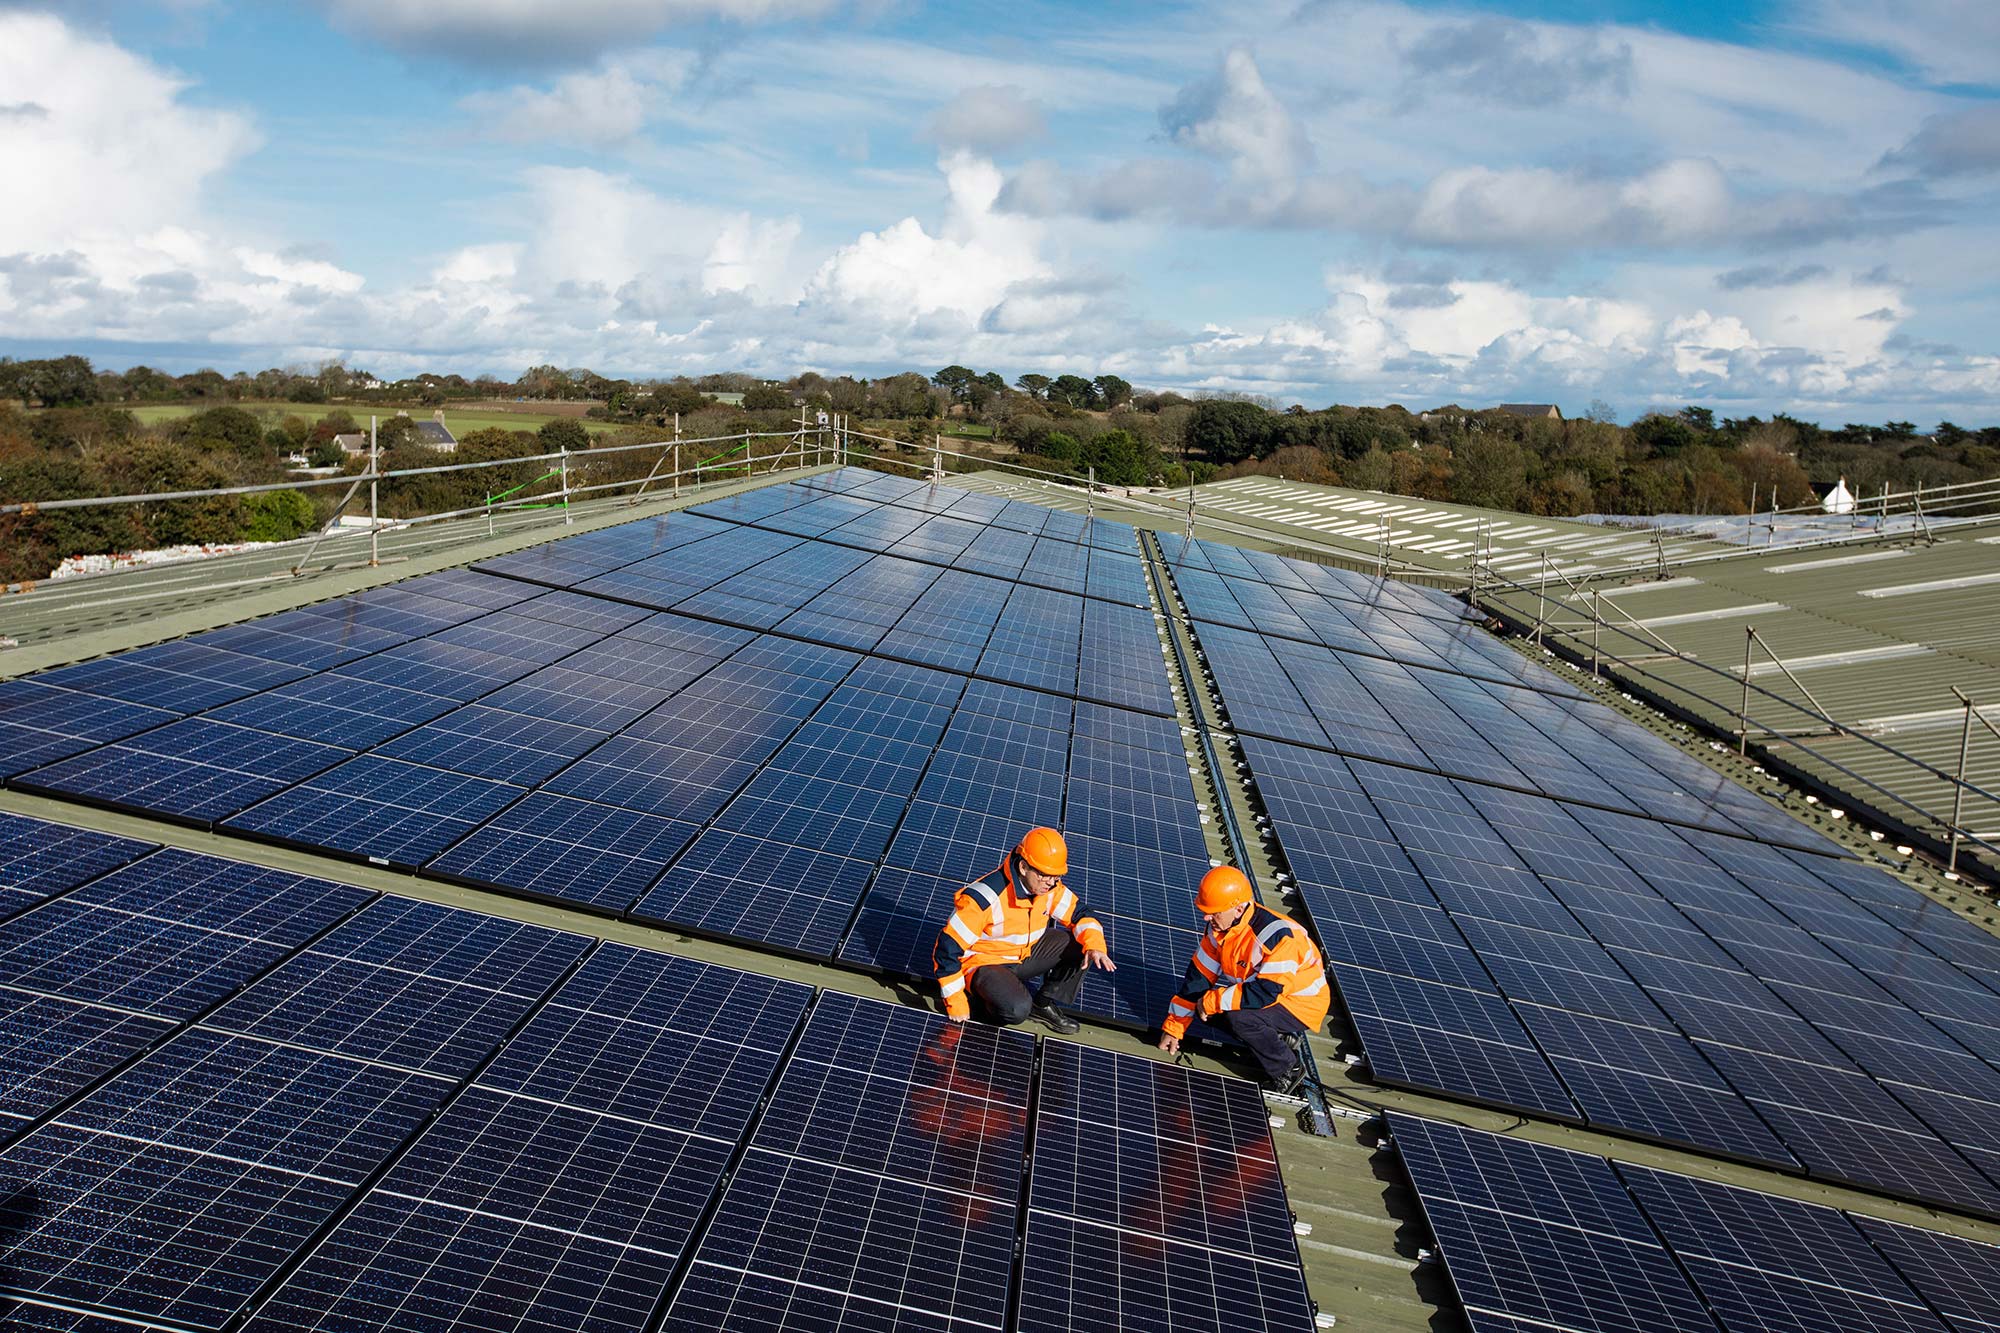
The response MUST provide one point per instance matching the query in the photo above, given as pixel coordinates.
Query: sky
(1767, 205)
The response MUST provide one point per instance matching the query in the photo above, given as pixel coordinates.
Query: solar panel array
(1549, 936)
(240, 1098)
(1541, 1237)
(801, 716)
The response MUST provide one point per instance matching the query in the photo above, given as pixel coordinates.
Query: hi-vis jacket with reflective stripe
(994, 921)
(1266, 958)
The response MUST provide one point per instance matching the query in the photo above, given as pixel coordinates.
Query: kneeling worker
(1256, 973)
(1000, 937)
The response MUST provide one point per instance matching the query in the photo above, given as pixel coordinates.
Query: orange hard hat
(1045, 850)
(1221, 889)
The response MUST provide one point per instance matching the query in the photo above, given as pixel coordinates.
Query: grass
(461, 422)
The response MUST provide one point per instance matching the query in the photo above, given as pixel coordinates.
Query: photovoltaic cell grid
(1571, 1242)
(678, 769)
(294, 1143)
(882, 1186)
(561, 1187)
(1673, 982)
(1128, 1152)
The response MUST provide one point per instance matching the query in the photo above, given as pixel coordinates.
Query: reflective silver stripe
(1313, 989)
(1230, 998)
(1180, 1006)
(1012, 939)
(1277, 969)
(1064, 907)
(1264, 935)
(981, 892)
(1036, 934)
(960, 932)
(952, 986)
(1203, 954)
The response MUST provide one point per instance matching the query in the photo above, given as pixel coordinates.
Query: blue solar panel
(745, 887)
(688, 784)
(383, 810)
(1077, 1276)
(335, 711)
(40, 723)
(52, 1049)
(1155, 1202)
(1960, 1278)
(429, 939)
(193, 769)
(180, 1188)
(824, 816)
(39, 859)
(909, 1212)
(169, 934)
(1426, 1035)
(492, 743)
(743, 1008)
(1542, 1234)
(594, 1250)
(333, 1004)
(1188, 1157)
(181, 677)
(349, 996)
(569, 850)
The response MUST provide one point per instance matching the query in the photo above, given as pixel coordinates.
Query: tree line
(74, 435)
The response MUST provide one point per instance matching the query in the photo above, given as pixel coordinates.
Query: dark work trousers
(1056, 958)
(1264, 1032)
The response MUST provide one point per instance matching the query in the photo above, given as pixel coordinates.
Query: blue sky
(1785, 205)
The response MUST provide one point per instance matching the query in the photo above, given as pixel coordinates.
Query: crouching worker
(1255, 973)
(1018, 924)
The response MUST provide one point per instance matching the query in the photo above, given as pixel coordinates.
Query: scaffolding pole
(374, 509)
(1958, 790)
(1743, 712)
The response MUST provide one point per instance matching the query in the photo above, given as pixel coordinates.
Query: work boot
(1052, 1018)
(1290, 1084)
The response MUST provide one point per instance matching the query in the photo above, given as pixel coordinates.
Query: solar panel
(493, 743)
(194, 770)
(1764, 1262)
(168, 935)
(835, 1229)
(1960, 1278)
(1542, 1234)
(355, 993)
(746, 887)
(177, 1190)
(383, 810)
(568, 850)
(39, 859)
(1424, 1034)
(508, 1206)
(52, 1049)
(40, 723)
(1154, 1202)
(334, 711)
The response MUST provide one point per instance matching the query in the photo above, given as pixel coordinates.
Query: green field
(460, 422)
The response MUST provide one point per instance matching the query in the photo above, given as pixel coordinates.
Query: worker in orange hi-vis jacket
(1002, 934)
(1255, 972)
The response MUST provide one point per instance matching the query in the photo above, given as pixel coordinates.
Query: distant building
(434, 433)
(354, 442)
(1548, 411)
(437, 435)
(1839, 500)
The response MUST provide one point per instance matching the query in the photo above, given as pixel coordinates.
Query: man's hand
(1170, 1043)
(956, 1018)
(1099, 958)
